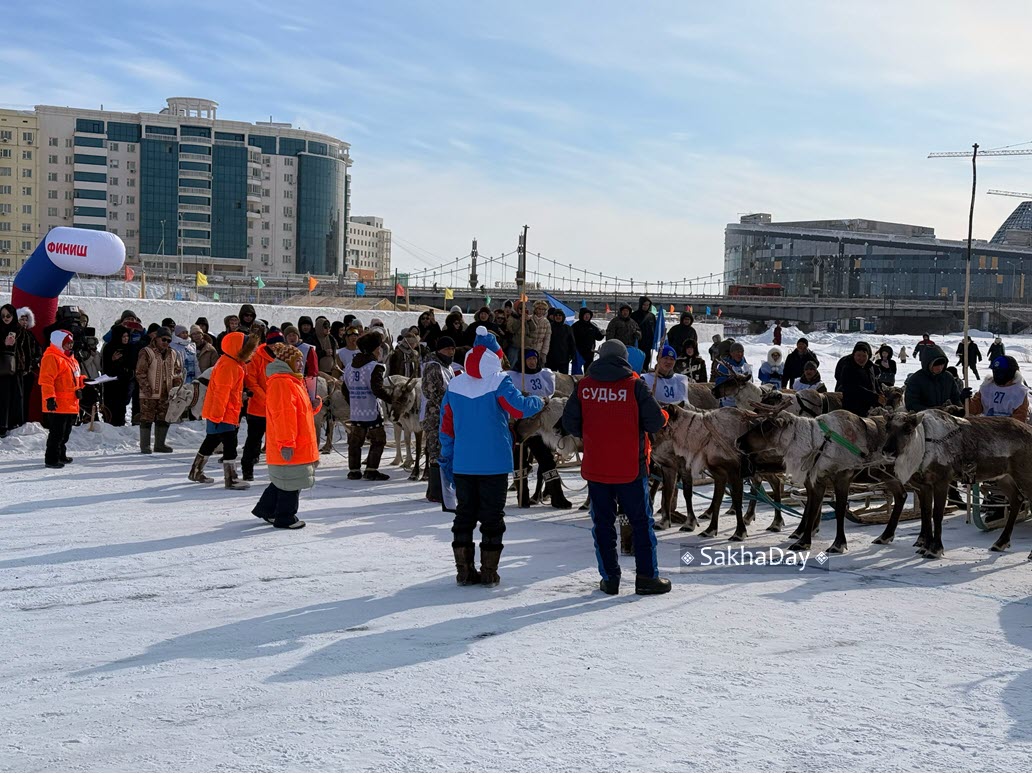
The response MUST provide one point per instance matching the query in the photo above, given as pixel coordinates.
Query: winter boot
(465, 564)
(554, 489)
(230, 477)
(610, 585)
(284, 524)
(160, 433)
(354, 475)
(145, 433)
(644, 586)
(375, 475)
(626, 537)
(197, 471)
(433, 485)
(489, 558)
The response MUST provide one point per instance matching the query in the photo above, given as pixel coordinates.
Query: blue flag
(359, 288)
(571, 316)
(657, 340)
(708, 310)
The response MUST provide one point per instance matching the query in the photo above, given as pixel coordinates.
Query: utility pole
(473, 266)
(967, 273)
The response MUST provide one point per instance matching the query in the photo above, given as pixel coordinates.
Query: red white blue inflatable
(62, 254)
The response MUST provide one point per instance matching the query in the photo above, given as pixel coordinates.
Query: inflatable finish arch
(63, 252)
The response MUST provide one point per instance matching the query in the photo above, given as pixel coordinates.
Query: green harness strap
(845, 443)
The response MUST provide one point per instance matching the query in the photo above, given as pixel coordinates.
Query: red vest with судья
(610, 430)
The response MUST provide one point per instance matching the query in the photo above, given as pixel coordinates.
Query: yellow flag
(449, 294)
(202, 280)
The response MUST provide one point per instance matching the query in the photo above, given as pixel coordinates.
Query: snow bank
(31, 440)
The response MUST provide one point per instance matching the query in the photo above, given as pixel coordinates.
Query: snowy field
(153, 624)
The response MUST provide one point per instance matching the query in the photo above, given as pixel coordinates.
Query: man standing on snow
(646, 320)
(158, 371)
(612, 410)
(476, 455)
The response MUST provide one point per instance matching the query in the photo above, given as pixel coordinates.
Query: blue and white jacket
(729, 368)
(475, 414)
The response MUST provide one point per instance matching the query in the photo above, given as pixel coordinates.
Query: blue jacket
(475, 414)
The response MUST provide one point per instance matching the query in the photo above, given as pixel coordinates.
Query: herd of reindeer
(771, 436)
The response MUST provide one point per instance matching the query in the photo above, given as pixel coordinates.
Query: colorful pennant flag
(129, 274)
(449, 294)
(312, 282)
(608, 310)
(487, 300)
(719, 311)
(690, 309)
(214, 296)
(398, 290)
(260, 281)
(360, 289)
(202, 280)
(672, 309)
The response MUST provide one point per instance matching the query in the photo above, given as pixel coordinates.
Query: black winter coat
(794, 364)
(679, 335)
(561, 348)
(858, 386)
(585, 334)
(647, 324)
(926, 390)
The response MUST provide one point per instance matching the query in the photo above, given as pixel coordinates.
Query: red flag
(129, 274)
(608, 310)
(399, 290)
(719, 311)
(690, 309)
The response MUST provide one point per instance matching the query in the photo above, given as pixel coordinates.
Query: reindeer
(546, 424)
(813, 457)
(403, 411)
(187, 397)
(810, 403)
(933, 448)
(334, 409)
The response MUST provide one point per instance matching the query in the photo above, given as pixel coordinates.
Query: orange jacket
(59, 378)
(291, 424)
(254, 380)
(225, 394)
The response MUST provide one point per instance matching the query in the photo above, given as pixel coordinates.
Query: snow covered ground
(152, 624)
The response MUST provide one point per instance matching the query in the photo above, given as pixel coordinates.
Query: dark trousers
(253, 442)
(633, 499)
(116, 398)
(60, 427)
(972, 366)
(357, 436)
(480, 499)
(277, 504)
(228, 439)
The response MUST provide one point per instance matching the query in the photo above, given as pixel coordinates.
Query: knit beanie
(613, 348)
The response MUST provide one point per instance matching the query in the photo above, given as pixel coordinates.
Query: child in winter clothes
(734, 366)
(773, 368)
(222, 404)
(885, 366)
(690, 364)
(291, 446)
(362, 386)
(810, 380)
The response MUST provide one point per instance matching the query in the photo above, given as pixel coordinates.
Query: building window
(288, 212)
(27, 227)
(52, 211)
(265, 225)
(112, 146)
(288, 179)
(52, 159)
(5, 171)
(68, 143)
(26, 245)
(288, 226)
(26, 173)
(287, 244)
(131, 182)
(113, 180)
(5, 245)
(5, 135)
(112, 216)
(131, 166)
(51, 177)
(69, 195)
(130, 232)
(112, 163)
(68, 177)
(288, 194)
(130, 216)
(27, 137)
(90, 126)
(5, 153)
(288, 162)
(130, 200)
(265, 192)
(53, 142)
(69, 159)
(26, 155)
(286, 259)
(5, 226)
(26, 190)
(266, 209)
(26, 209)
(5, 209)
(68, 212)
(5, 189)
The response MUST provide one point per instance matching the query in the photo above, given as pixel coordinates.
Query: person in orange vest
(612, 411)
(254, 383)
(222, 404)
(292, 451)
(60, 384)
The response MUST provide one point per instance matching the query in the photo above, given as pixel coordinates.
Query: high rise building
(369, 248)
(19, 186)
(185, 190)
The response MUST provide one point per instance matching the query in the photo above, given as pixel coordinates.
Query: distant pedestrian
(776, 340)
(995, 350)
(59, 384)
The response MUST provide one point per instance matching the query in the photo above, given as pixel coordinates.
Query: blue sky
(625, 134)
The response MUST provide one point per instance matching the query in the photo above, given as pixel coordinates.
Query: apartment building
(185, 191)
(369, 248)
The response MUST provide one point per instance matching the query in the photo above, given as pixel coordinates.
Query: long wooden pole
(521, 282)
(967, 279)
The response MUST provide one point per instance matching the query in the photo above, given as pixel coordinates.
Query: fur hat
(368, 343)
(290, 355)
(26, 312)
(613, 348)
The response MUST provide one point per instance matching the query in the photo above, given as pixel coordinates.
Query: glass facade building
(321, 209)
(159, 196)
(229, 201)
(869, 259)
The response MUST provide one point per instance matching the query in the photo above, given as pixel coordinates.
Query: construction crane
(1018, 194)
